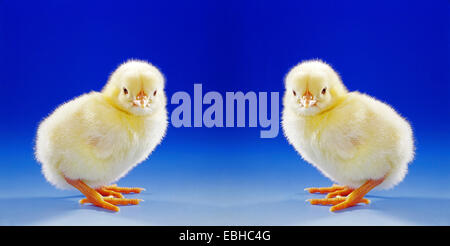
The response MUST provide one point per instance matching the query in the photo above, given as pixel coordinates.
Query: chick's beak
(307, 99)
(141, 99)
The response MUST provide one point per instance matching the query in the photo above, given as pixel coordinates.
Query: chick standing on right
(352, 138)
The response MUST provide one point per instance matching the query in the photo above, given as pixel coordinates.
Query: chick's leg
(355, 196)
(91, 195)
(94, 197)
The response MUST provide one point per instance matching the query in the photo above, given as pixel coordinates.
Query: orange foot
(95, 197)
(113, 190)
(354, 196)
(333, 191)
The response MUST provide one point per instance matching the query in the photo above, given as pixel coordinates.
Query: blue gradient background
(52, 51)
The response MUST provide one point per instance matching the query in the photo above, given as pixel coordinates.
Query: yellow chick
(352, 138)
(97, 138)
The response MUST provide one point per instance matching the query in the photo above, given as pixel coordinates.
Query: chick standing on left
(97, 138)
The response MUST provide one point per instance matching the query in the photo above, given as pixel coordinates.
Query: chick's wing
(99, 129)
(344, 134)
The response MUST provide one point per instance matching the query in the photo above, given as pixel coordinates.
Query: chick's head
(136, 87)
(312, 87)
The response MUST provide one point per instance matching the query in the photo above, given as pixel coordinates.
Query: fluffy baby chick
(352, 138)
(97, 138)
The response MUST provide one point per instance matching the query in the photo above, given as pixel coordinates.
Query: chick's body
(359, 139)
(99, 137)
(89, 139)
(350, 137)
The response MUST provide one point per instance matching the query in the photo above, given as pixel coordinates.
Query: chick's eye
(293, 92)
(324, 90)
(154, 93)
(125, 91)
